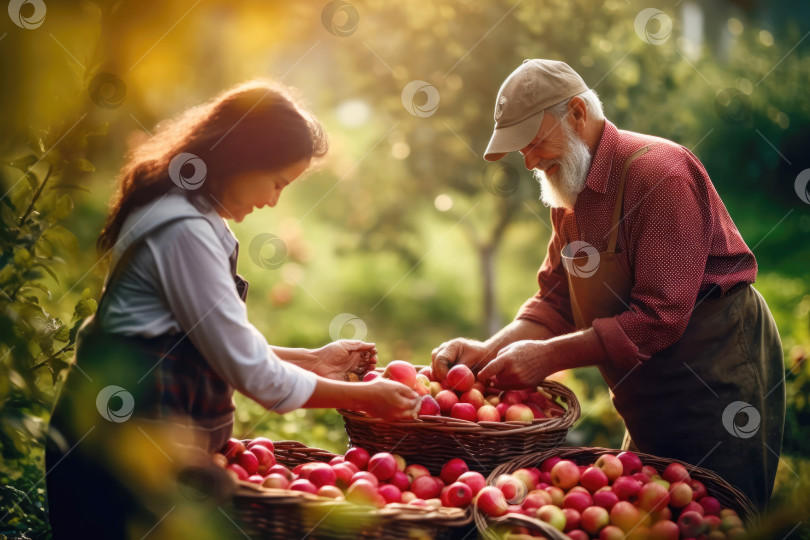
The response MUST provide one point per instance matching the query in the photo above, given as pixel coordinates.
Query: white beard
(563, 187)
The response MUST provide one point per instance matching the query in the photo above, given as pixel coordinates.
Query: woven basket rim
(744, 504)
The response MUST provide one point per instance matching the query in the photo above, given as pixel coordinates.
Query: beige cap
(528, 91)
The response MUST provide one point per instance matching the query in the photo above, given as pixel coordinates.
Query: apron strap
(617, 209)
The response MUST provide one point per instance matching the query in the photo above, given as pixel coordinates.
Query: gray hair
(592, 104)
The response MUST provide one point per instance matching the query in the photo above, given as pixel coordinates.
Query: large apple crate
(433, 440)
(493, 528)
(265, 513)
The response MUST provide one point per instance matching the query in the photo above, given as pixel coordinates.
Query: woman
(171, 340)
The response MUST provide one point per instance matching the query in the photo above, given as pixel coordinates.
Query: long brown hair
(254, 126)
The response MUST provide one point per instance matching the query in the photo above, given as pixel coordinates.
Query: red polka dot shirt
(676, 240)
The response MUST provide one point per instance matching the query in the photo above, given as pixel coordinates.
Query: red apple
(519, 413)
(593, 519)
(611, 532)
(303, 485)
(565, 474)
(322, 475)
(557, 495)
(446, 400)
(422, 385)
(649, 470)
(255, 479)
(429, 407)
(641, 477)
(535, 499)
(502, 408)
(343, 474)
(664, 530)
(624, 515)
(391, 493)
(473, 397)
(238, 470)
(382, 465)
(549, 463)
(400, 479)
(401, 371)
(282, 470)
(605, 499)
(712, 522)
(366, 476)
(452, 470)
(610, 465)
(593, 479)
(478, 385)
(415, 471)
(698, 489)
(233, 448)
(358, 456)
(514, 490)
(457, 495)
(490, 500)
(262, 441)
(265, 457)
(464, 411)
(488, 413)
(577, 534)
(248, 461)
(425, 487)
(512, 397)
(693, 507)
(427, 371)
(435, 388)
(631, 463)
(493, 400)
(528, 477)
(552, 515)
(711, 506)
(626, 488)
(675, 472)
(276, 481)
(332, 492)
(337, 459)
(536, 410)
(460, 378)
(653, 496)
(691, 524)
(680, 494)
(577, 500)
(664, 514)
(362, 492)
(474, 479)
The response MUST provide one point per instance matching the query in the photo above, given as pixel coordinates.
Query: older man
(646, 277)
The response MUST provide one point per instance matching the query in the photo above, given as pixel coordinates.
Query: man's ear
(578, 112)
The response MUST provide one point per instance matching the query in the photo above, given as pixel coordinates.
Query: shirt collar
(602, 161)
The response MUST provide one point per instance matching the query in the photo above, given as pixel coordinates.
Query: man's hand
(469, 352)
(522, 364)
(338, 359)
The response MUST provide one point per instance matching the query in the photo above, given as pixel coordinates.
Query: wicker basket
(728, 495)
(275, 513)
(433, 440)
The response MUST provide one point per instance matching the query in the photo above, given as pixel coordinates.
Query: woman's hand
(389, 400)
(473, 354)
(522, 364)
(339, 359)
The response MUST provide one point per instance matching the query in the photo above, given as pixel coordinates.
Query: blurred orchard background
(403, 236)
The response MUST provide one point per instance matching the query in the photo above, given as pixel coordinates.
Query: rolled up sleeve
(199, 289)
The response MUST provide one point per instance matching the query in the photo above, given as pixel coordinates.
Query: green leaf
(63, 334)
(24, 163)
(49, 270)
(39, 286)
(71, 186)
(60, 237)
(63, 208)
(86, 307)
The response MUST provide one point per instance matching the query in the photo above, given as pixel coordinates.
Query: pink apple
(565, 474)
(552, 515)
(446, 400)
(464, 411)
(711, 506)
(382, 465)
(332, 492)
(519, 413)
(535, 499)
(611, 532)
(557, 495)
(233, 448)
(362, 492)
(547, 465)
(593, 479)
(675, 472)
(343, 474)
(391, 493)
(490, 500)
(425, 487)
(610, 465)
(641, 477)
(460, 378)
(429, 407)
(276, 481)
(358, 456)
(680, 494)
(631, 463)
(265, 458)
(365, 476)
(605, 499)
(514, 490)
(664, 530)
(502, 408)
(401, 371)
(593, 519)
(322, 475)
(457, 495)
(650, 471)
(577, 500)
(488, 413)
(473, 397)
(528, 477)
(282, 470)
(262, 441)
(452, 470)
(693, 507)
(415, 471)
(400, 479)
(422, 385)
(624, 515)
(691, 524)
(653, 496)
(626, 488)
(698, 489)
(577, 534)
(579, 489)
(303, 485)
(474, 479)
(248, 461)
(238, 471)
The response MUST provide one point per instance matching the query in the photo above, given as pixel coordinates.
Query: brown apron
(716, 397)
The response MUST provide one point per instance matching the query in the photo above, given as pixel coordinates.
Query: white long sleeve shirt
(178, 279)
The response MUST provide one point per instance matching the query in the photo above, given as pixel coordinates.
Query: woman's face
(245, 192)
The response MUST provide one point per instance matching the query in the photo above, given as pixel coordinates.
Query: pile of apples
(615, 498)
(460, 396)
(371, 480)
